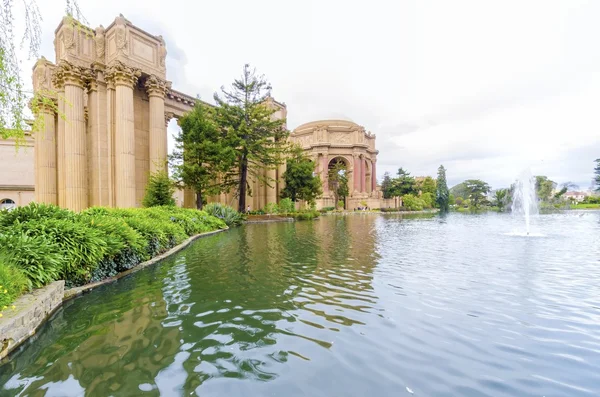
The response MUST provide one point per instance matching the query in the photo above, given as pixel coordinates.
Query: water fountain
(524, 202)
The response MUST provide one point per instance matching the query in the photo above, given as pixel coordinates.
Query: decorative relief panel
(143, 50)
(304, 140)
(340, 137)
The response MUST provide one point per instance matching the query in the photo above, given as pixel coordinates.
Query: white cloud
(484, 87)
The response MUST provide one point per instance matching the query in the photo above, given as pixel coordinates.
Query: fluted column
(325, 172)
(124, 78)
(363, 174)
(45, 159)
(72, 145)
(356, 173)
(373, 176)
(156, 89)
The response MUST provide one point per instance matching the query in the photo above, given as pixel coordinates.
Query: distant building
(576, 196)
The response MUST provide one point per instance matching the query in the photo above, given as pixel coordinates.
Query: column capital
(120, 74)
(168, 117)
(67, 73)
(156, 86)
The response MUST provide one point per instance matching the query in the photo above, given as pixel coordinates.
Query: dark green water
(344, 306)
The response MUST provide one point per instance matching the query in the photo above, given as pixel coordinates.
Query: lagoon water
(356, 305)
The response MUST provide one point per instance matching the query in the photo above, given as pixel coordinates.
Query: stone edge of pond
(34, 308)
(74, 292)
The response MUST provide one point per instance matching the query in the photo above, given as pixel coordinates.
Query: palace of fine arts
(405, 203)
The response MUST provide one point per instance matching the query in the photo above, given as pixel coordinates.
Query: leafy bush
(305, 215)
(287, 205)
(428, 200)
(327, 209)
(227, 214)
(159, 191)
(36, 257)
(271, 208)
(31, 212)
(12, 284)
(412, 203)
(340, 204)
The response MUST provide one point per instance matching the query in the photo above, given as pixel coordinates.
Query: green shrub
(305, 215)
(81, 246)
(36, 257)
(271, 208)
(286, 205)
(31, 212)
(412, 203)
(12, 284)
(159, 191)
(227, 214)
(428, 200)
(340, 204)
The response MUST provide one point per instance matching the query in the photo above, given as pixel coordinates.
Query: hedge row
(43, 243)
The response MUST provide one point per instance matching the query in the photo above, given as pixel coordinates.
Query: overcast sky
(486, 88)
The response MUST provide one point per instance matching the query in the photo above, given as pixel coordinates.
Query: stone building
(111, 86)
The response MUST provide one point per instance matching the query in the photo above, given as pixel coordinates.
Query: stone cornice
(120, 74)
(168, 117)
(156, 86)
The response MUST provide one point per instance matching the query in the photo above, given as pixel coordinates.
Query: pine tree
(386, 186)
(159, 190)
(203, 160)
(597, 174)
(256, 138)
(442, 196)
(300, 181)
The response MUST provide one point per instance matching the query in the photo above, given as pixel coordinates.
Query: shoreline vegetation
(44, 243)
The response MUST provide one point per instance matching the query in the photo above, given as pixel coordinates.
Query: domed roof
(338, 124)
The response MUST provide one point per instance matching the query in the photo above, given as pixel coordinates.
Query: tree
(544, 187)
(13, 96)
(597, 175)
(477, 190)
(569, 185)
(442, 196)
(159, 190)
(202, 159)
(501, 199)
(301, 183)
(427, 185)
(386, 186)
(257, 139)
(404, 184)
(338, 181)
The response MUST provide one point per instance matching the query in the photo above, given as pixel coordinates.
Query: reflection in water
(346, 305)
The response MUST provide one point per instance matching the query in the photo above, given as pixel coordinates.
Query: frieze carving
(304, 140)
(119, 73)
(321, 130)
(68, 38)
(121, 34)
(156, 86)
(100, 43)
(162, 53)
(340, 137)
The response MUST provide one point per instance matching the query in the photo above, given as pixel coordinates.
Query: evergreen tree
(299, 178)
(478, 190)
(442, 195)
(386, 186)
(202, 160)
(256, 138)
(159, 190)
(404, 184)
(597, 174)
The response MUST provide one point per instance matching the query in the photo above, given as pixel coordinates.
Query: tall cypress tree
(442, 195)
(597, 175)
(256, 138)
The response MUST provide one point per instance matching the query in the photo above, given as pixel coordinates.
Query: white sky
(484, 87)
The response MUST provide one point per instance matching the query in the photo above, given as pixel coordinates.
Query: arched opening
(7, 204)
(337, 179)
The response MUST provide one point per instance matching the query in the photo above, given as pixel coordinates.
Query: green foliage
(338, 182)
(443, 198)
(304, 215)
(327, 209)
(299, 178)
(245, 117)
(544, 187)
(597, 174)
(428, 201)
(159, 191)
(34, 256)
(271, 208)
(427, 185)
(501, 199)
(286, 205)
(476, 192)
(45, 243)
(386, 186)
(591, 200)
(227, 214)
(12, 283)
(459, 201)
(203, 160)
(340, 204)
(560, 193)
(412, 203)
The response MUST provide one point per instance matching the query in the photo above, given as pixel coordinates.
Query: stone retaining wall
(31, 311)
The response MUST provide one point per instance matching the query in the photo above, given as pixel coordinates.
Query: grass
(586, 207)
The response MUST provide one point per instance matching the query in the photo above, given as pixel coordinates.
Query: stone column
(60, 138)
(157, 89)
(124, 78)
(357, 173)
(325, 172)
(373, 176)
(72, 147)
(363, 174)
(110, 135)
(272, 180)
(45, 159)
(98, 140)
